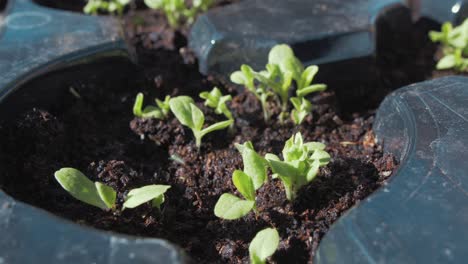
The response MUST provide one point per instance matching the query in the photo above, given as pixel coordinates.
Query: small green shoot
(282, 71)
(178, 12)
(246, 77)
(164, 105)
(103, 196)
(302, 108)
(216, 100)
(83, 189)
(454, 42)
(263, 245)
(254, 165)
(454, 60)
(304, 83)
(300, 165)
(231, 207)
(161, 111)
(190, 115)
(110, 6)
(139, 196)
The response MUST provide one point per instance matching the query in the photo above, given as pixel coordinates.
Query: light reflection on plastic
(456, 8)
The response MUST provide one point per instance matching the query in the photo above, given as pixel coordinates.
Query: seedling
(454, 60)
(231, 207)
(177, 11)
(103, 196)
(246, 77)
(302, 108)
(300, 165)
(83, 189)
(277, 79)
(139, 196)
(110, 6)
(254, 165)
(454, 42)
(263, 245)
(304, 83)
(216, 100)
(283, 67)
(161, 111)
(190, 115)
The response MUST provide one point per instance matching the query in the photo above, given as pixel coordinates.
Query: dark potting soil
(97, 133)
(96, 136)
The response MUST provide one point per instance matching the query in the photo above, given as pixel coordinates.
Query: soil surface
(102, 139)
(97, 134)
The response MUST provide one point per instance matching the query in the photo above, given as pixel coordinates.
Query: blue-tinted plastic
(443, 11)
(35, 40)
(422, 214)
(321, 31)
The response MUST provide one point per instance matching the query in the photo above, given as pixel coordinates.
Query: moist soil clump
(98, 134)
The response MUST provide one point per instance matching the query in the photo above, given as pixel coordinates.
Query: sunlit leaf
(231, 207)
(263, 245)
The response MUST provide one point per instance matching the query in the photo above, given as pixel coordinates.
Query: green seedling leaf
(269, 157)
(311, 146)
(177, 11)
(247, 145)
(181, 106)
(275, 82)
(454, 45)
(301, 164)
(322, 156)
(138, 105)
(154, 4)
(198, 119)
(139, 196)
(244, 184)
(313, 171)
(211, 98)
(238, 77)
(447, 62)
(107, 194)
(148, 112)
(164, 105)
(254, 165)
(191, 116)
(217, 101)
(244, 77)
(263, 245)
(283, 169)
(158, 201)
(302, 108)
(231, 207)
(311, 89)
(83, 189)
(283, 56)
(217, 126)
(110, 6)
(307, 76)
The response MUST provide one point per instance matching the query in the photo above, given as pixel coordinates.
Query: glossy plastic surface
(422, 214)
(320, 31)
(35, 40)
(442, 11)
